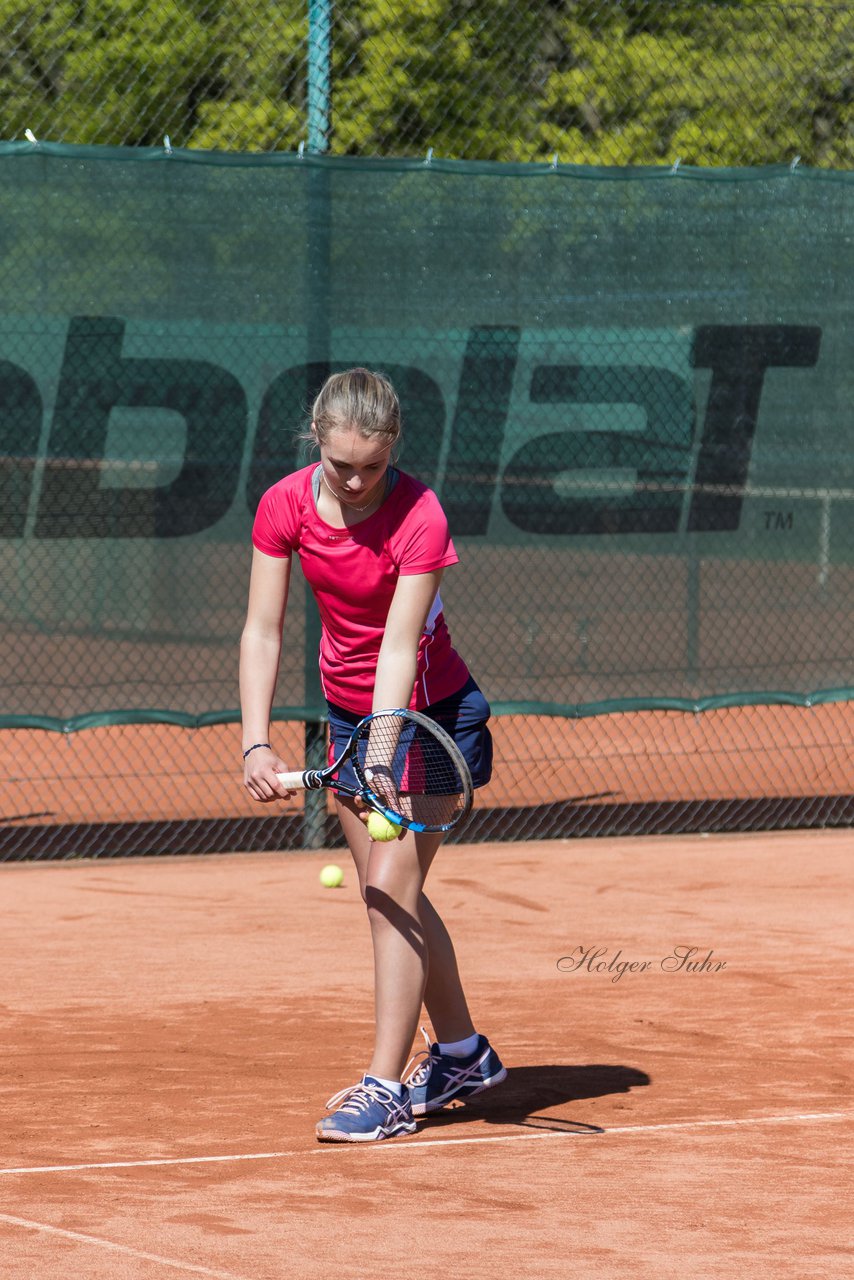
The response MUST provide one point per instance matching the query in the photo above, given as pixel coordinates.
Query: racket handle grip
(293, 781)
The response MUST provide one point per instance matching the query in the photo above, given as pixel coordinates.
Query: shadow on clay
(530, 1090)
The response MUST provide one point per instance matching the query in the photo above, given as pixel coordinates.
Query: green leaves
(596, 81)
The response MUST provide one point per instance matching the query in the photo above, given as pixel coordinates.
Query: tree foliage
(593, 81)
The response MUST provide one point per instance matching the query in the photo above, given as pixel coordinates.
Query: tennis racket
(407, 768)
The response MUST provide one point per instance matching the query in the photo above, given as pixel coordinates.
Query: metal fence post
(319, 51)
(319, 55)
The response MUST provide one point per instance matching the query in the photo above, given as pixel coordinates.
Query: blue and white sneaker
(442, 1078)
(366, 1112)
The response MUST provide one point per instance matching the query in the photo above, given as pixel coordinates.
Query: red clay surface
(201, 1011)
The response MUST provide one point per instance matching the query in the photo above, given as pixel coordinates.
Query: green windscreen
(631, 389)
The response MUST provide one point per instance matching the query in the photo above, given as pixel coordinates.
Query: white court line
(81, 1238)
(791, 1117)
(155, 1163)
(591, 1132)
(628, 1128)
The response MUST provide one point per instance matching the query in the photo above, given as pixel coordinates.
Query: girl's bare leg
(414, 958)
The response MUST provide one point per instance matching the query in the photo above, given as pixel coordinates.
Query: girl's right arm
(260, 649)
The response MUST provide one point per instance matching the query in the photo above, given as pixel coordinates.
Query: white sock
(460, 1048)
(393, 1086)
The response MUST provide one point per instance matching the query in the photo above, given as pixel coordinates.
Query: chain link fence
(149, 790)
(631, 389)
(628, 389)
(636, 82)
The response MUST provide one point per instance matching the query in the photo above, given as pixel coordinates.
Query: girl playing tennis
(373, 543)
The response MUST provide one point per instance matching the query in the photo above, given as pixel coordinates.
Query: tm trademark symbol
(779, 520)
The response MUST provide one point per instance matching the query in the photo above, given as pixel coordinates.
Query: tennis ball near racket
(331, 877)
(379, 828)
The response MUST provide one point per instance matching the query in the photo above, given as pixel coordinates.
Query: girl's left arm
(398, 656)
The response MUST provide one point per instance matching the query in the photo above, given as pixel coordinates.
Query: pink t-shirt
(353, 574)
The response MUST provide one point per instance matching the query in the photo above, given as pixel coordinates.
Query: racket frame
(314, 779)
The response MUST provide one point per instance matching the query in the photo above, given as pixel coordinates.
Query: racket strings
(408, 766)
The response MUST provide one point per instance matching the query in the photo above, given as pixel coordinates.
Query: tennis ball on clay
(379, 828)
(331, 877)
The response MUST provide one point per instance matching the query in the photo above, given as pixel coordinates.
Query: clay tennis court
(173, 1028)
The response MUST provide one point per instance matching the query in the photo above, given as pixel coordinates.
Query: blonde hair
(361, 399)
